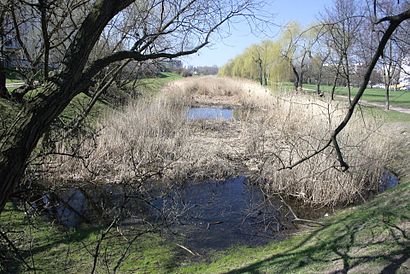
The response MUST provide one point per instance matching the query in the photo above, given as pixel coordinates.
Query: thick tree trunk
(36, 116)
(21, 140)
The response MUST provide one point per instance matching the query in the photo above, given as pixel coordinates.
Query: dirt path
(381, 105)
(373, 104)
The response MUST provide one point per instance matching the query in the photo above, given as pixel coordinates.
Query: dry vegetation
(152, 140)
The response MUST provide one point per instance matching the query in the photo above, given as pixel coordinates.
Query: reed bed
(152, 140)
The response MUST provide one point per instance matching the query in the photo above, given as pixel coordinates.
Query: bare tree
(395, 50)
(344, 22)
(390, 25)
(157, 29)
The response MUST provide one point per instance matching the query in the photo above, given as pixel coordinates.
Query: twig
(15, 249)
(297, 219)
(97, 248)
(213, 223)
(188, 250)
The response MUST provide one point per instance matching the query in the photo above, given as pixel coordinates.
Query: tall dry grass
(298, 126)
(152, 140)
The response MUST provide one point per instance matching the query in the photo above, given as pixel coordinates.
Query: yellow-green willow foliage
(262, 62)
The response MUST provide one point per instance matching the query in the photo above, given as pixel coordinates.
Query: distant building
(9, 46)
(404, 80)
(11, 53)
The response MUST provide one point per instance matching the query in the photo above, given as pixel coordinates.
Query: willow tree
(297, 50)
(70, 40)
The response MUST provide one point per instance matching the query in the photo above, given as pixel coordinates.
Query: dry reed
(152, 140)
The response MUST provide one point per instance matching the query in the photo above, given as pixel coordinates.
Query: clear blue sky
(220, 51)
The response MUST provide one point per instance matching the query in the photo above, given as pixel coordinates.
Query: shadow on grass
(48, 248)
(371, 237)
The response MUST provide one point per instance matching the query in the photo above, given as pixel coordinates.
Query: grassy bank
(49, 248)
(370, 238)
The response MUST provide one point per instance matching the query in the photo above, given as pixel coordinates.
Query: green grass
(365, 239)
(11, 81)
(390, 116)
(150, 86)
(376, 95)
(397, 98)
(57, 250)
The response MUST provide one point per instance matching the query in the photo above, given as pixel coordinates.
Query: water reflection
(217, 215)
(388, 180)
(209, 113)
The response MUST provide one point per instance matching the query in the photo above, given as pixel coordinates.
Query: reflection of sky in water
(221, 214)
(207, 113)
(71, 208)
(388, 180)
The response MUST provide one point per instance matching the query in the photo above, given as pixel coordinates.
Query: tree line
(336, 50)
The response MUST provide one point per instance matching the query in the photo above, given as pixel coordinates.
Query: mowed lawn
(399, 98)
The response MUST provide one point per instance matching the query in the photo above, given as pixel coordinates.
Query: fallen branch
(188, 250)
(297, 219)
(213, 223)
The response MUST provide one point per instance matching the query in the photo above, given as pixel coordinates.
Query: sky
(220, 51)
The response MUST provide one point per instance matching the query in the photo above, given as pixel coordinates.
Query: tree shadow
(374, 237)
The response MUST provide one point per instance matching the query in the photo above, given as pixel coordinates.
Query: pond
(220, 214)
(211, 215)
(387, 180)
(204, 216)
(209, 113)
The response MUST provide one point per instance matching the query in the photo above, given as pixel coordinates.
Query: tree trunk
(265, 79)
(387, 103)
(37, 115)
(319, 81)
(3, 89)
(332, 94)
(296, 74)
(347, 74)
(22, 138)
(259, 62)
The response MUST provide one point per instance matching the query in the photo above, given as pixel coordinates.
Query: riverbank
(153, 140)
(370, 238)
(172, 148)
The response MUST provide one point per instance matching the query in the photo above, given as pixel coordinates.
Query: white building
(404, 80)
